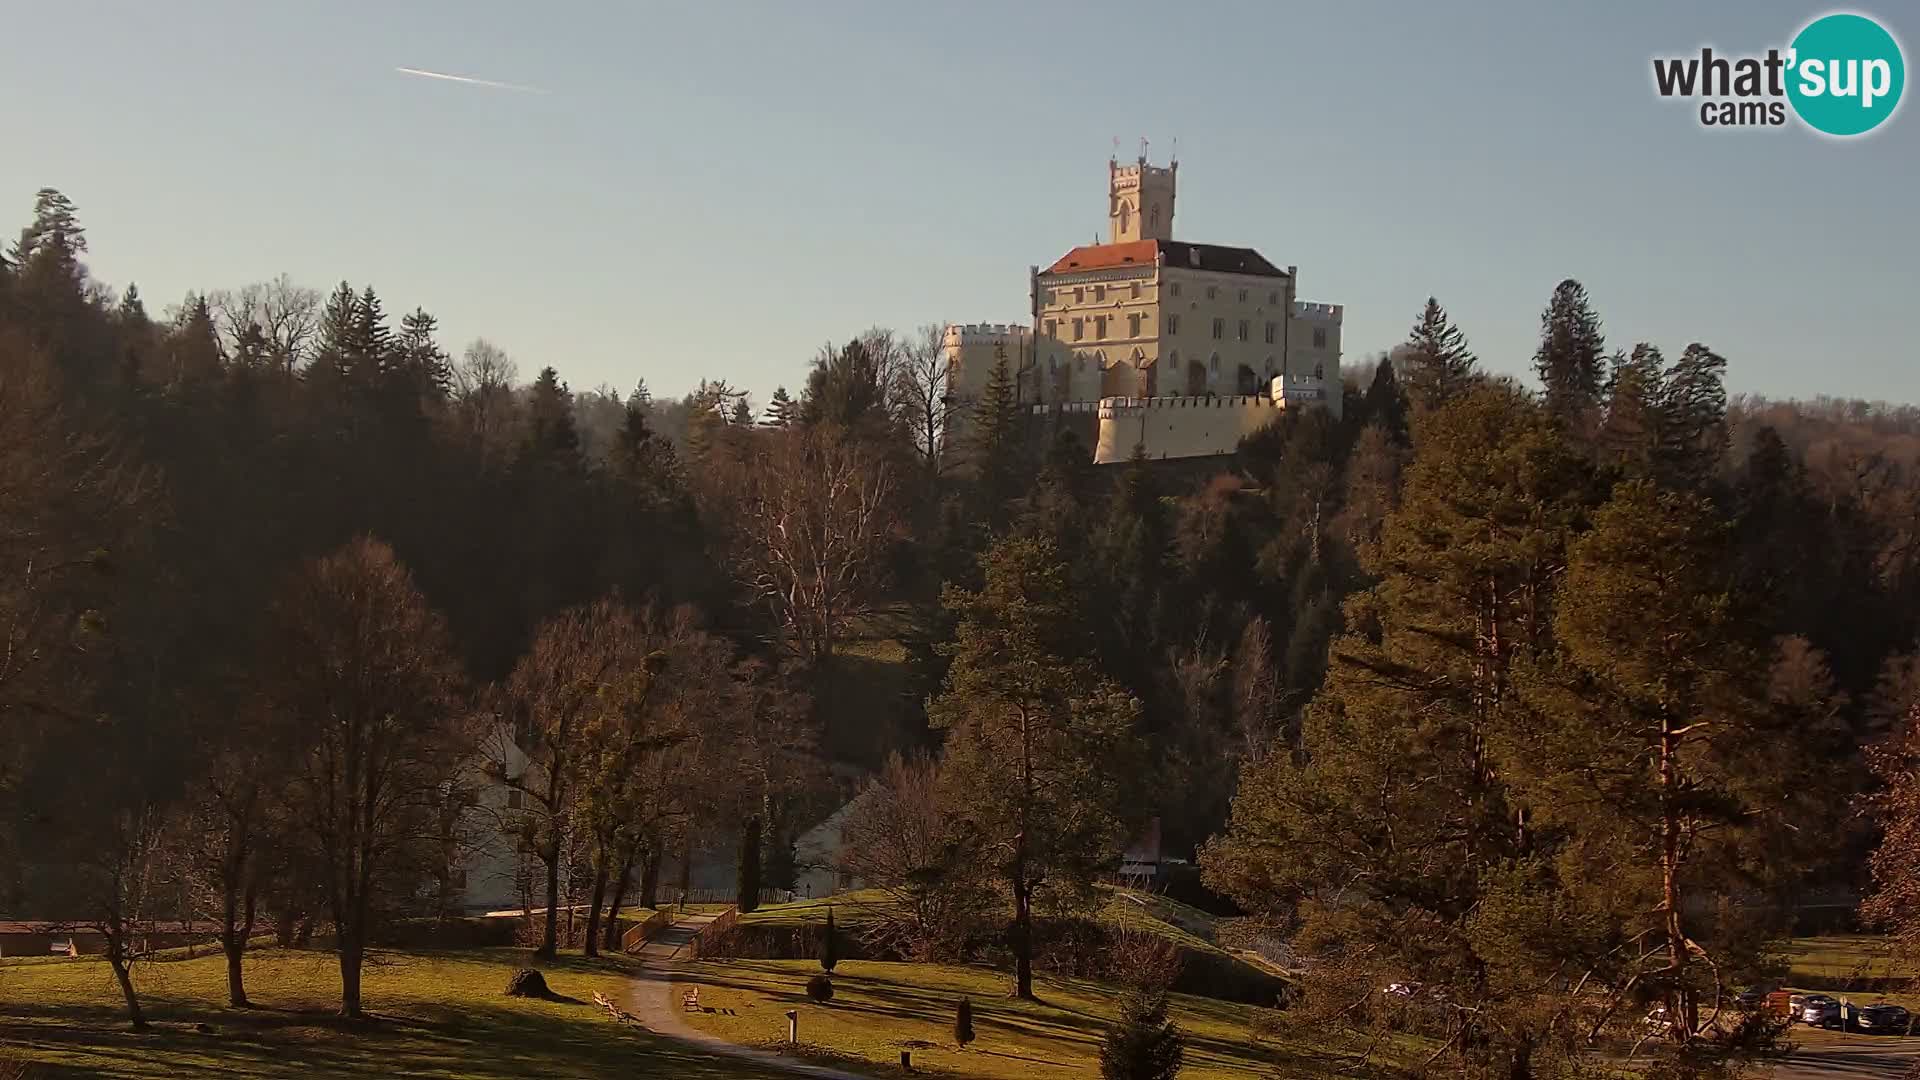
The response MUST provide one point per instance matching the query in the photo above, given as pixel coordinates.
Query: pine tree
(747, 896)
(845, 389)
(963, 1023)
(1142, 1043)
(194, 345)
(994, 445)
(742, 413)
(1435, 364)
(829, 945)
(426, 368)
(1386, 402)
(1693, 416)
(552, 439)
(641, 397)
(1571, 358)
(1038, 742)
(133, 311)
(783, 411)
(54, 237)
(370, 351)
(331, 368)
(1631, 430)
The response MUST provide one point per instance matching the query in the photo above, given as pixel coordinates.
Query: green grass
(1859, 965)
(880, 1009)
(433, 1015)
(849, 909)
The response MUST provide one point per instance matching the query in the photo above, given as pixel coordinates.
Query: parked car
(1819, 1010)
(1751, 998)
(1884, 1019)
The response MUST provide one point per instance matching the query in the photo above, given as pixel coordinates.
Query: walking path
(651, 998)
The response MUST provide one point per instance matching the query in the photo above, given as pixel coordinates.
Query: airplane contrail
(425, 74)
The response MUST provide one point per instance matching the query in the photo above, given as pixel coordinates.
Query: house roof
(1215, 257)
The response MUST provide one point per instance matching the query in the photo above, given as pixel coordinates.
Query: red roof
(1099, 256)
(1217, 257)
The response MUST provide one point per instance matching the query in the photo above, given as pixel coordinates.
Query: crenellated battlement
(1325, 312)
(1117, 406)
(987, 332)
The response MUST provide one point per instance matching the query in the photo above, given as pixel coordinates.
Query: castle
(1178, 348)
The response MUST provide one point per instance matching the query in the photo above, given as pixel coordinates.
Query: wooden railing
(643, 932)
(703, 942)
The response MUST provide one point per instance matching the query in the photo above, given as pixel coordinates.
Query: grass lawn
(1856, 965)
(880, 1009)
(435, 1015)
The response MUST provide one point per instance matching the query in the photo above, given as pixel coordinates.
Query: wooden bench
(690, 1001)
(615, 1011)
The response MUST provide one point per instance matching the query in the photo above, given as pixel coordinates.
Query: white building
(1142, 325)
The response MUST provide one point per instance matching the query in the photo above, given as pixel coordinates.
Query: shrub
(963, 1023)
(820, 988)
(1142, 1044)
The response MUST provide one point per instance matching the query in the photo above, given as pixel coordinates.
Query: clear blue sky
(716, 189)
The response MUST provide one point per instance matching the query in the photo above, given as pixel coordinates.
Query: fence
(711, 934)
(643, 932)
(725, 896)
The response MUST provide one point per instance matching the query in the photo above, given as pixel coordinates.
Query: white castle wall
(1180, 427)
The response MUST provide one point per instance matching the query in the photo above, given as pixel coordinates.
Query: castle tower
(1140, 200)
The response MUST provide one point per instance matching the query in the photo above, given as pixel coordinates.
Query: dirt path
(651, 998)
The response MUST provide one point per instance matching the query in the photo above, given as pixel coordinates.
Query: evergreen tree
(963, 1023)
(995, 447)
(742, 413)
(1571, 358)
(54, 238)
(1435, 363)
(1693, 417)
(1038, 742)
(1386, 402)
(370, 353)
(783, 411)
(747, 895)
(194, 345)
(846, 389)
(1632, 427)
(1142, 1043)
(425, 368)
(331, 369)
(133, 312)
(552, 440)
(1130, 550)
(829, 945)
(641, 398)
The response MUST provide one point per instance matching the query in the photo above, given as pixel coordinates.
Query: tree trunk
(1679, 1002)
(549, 937)
(351, 951)
(1022, 934)
(619, 895)
(117, 958)
(591, 942)
(650, 876)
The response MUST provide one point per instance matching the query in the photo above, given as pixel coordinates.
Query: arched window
(1153, 218)
(1126, 215)
(1079, 363)
(1213, 364)
(1319, 371)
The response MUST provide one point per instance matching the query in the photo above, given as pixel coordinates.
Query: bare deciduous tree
(920, 388)
(363, 669)
(815, 514)
(287, 314)
(902, 838)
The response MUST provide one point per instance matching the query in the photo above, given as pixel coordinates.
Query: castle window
(1175, 287)
(1243, 296)
(1079, 329)
(1099, 293)
(1319, 337)
(1243, 330)
(1053, 297)
(1133, 325)
(1270, 333)
(1079, 363)
(1079, 294)
(1213, 364)
(1100, 327)
(1219, 327)
(1051, 323)
(1212, 292)
(1136, 290)
(1153, 217)
(1273, 297)
(1319, 371)
(1173, 323)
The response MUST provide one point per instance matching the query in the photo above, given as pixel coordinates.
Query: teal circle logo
(1845, 74)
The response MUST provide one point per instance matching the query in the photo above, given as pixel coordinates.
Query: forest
(1559, 698)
